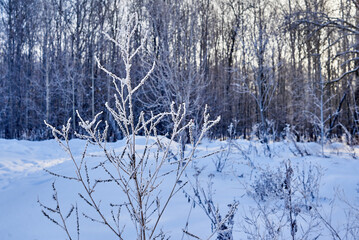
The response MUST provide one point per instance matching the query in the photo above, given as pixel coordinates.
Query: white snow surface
(23, 182)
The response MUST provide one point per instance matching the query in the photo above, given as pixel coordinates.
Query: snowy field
(23, 182)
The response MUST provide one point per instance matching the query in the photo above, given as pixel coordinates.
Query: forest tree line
(262, 65)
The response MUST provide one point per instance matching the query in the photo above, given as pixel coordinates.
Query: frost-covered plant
(286, 199)
(349, 139)
(321, 112)
(61, 218)
(343, 230)
(271, 130)
(263, 141)
(290, 136)
(134, 173)
(351, 225)
(220, 159)
(221, 224)
(256, 131)
(268, 185)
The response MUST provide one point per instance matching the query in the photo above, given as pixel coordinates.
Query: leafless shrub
(284, 204)
(347, 229)
(58, 217)
(290, 136)
(220, 159)
(135, 174)
(203, 197)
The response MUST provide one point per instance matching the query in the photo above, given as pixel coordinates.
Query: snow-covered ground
(23, 182)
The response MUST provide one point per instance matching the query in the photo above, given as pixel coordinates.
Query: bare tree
(262, 85)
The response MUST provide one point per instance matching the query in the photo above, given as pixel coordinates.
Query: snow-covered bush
(134, 174)
(268, 185)
(286, 200)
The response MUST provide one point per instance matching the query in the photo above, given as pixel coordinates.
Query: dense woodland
(262, 65)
